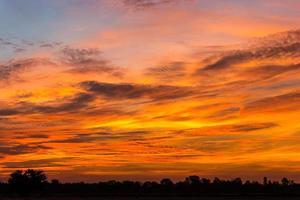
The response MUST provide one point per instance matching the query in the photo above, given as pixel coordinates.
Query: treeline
(35, 183)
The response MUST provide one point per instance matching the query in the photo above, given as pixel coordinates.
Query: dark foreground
(33, 184)
(158, 198)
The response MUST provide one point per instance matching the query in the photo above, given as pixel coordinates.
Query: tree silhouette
(27, 182)
(18, 182)
(166, 182)
(34, 182)
(192, 180)
(285, 181)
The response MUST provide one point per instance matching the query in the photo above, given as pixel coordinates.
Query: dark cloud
(6, 42)
(289, 101)
(224, 113)
(229, 60)
(269, 71)
(73, 55)
(109, 110)
(262, 63)
(76, 103)
(8, 112)
(252, 127)
(54, 162)
(100, 136)
(49, 44)
(20, 149)
(32, 136)
(276, 40)
(135, 91)
(28, 43)
(89, 61)
(143, 4)
(75, 139)
(241, 56)
(70, 105)
(24, 95)
(223, 133)
(19, 50)
(80, 61)
(14, 67)
(170, 72)
(13, 45)
(46, 45)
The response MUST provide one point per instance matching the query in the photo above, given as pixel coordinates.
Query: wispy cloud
(136, 91)
(143, 4)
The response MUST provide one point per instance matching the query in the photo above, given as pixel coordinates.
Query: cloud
(20, 149)
(76, 61)
(276, 40)
(80, 138)
(251, 67)
(288, 101)
(170, 72)
(136, 91)
(7, 43)
(143, 4)
(49, 45)
(8, 112)
(224, 113)
(229, 130)
(253, 127)
(271, 47)
(15, 67)
(76, 103)
(32, 136)
(228, 60)
(241, 56)
(73, 55)
(70, 105)
(52, 162)
(100, 136)
(88, 60)
(269, 71)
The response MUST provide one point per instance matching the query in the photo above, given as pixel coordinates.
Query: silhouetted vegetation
(35, 183)
(29, 182)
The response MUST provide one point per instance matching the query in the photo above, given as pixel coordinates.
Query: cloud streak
(135, 91)
(88, 61)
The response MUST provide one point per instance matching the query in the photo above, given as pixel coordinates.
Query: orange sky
(145, 89)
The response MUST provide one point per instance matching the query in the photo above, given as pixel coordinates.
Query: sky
(147, 89)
